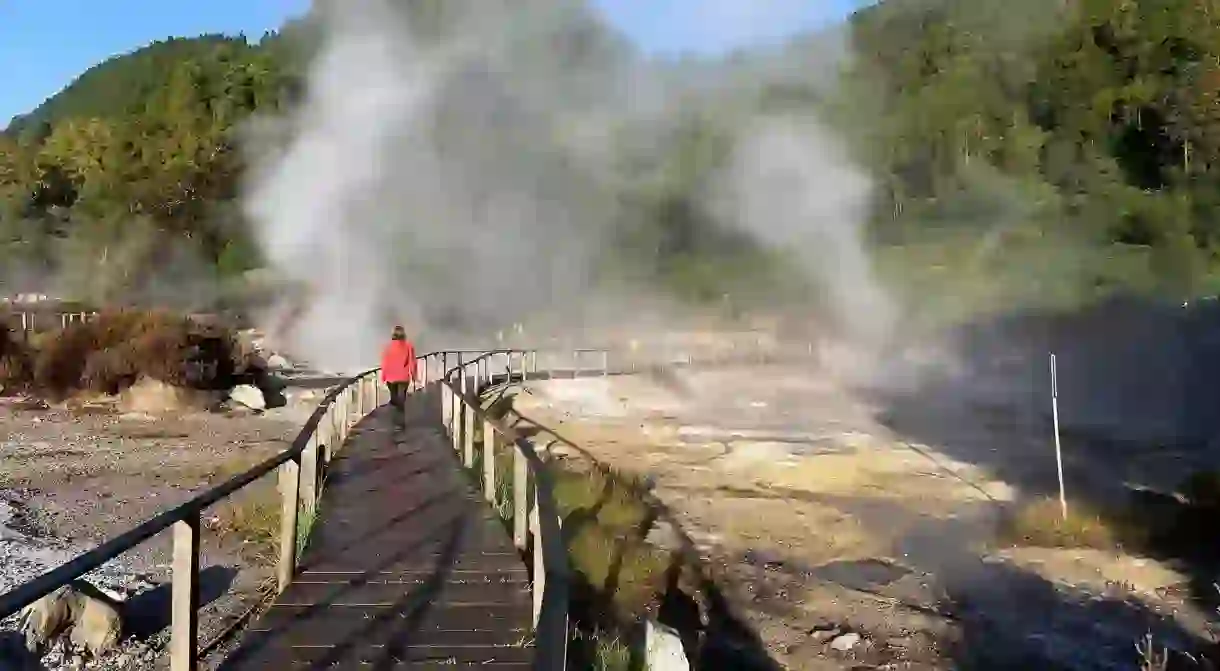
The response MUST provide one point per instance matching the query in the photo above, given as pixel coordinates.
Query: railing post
(460, 383)
(524, 368)
(539, 560)
(183, 653)
(605, 363)
(455, 428)
(447, 409)
(521, 510)
(325, 445)
(468, 438)
(309, 473)
(336, 432)
(489, 462)
(575, 364)
(533, 362)
(290, 486)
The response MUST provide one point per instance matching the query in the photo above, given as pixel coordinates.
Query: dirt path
(824, 521)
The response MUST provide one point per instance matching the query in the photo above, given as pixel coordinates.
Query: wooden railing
(532, 511)
(461, 374)
(31, 320)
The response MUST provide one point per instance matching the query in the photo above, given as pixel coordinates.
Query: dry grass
(252, 519)
(1040, 523)
(608, 652)
(605, 519)
(111, 352)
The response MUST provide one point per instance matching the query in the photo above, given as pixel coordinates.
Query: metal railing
(461, 374)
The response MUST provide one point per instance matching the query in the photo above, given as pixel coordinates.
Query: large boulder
(663, 649)
(249, 396)
(97, 624)
(45, 619)
(90, 621)
(154, 397)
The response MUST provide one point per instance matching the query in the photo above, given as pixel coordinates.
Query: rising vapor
(457, 172)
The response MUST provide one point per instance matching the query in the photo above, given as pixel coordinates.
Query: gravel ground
(71, 478)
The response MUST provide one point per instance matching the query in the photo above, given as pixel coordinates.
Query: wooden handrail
(534, 506)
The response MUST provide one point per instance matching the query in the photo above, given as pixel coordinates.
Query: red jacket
(398, 361)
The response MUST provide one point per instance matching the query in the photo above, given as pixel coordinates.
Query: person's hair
(399, 333)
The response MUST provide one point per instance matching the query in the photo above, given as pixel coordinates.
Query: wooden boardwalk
(407, 567)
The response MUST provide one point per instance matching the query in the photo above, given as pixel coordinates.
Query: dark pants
(398, 394)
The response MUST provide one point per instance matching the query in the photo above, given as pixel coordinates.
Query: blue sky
(44, 44)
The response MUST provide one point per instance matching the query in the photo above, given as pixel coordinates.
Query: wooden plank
(402, 548)
(378, 590)
(367, 626)
(313, 633)
(418, 561)
(398, 656)
(372, 476)
(511, 620)
(394, 536)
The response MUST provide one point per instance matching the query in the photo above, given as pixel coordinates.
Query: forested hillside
(1077, 139)
(138, 158)
(1090, 123)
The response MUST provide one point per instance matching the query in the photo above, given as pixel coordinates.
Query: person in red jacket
(398, 366)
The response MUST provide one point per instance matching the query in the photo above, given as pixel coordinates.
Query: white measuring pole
(1058, 447)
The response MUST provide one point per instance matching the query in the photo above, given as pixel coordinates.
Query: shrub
(16, 366)
(109, 353)
(1040, 523)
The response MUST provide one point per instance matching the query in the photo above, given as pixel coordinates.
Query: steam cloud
(795, 190)
(462, 183)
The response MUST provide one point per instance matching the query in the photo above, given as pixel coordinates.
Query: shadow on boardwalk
(405, 568)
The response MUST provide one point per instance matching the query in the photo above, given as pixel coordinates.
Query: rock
(249, 396)
(45, 619)
(92, 623)
(154, 397)
(824, 635)
(663, 649)
(137, 417)
(845, 642)
(97, 624)
(664, 536)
